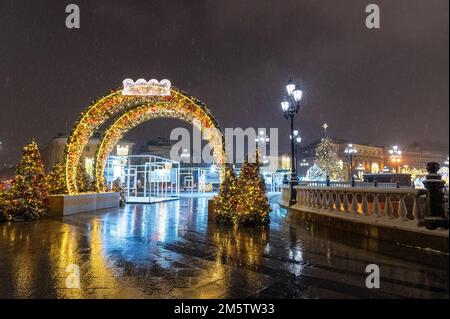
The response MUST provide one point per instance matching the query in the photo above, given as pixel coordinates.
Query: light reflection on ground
(169, 250)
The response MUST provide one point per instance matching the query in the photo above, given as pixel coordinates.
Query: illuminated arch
(143, 113)
(136, 109)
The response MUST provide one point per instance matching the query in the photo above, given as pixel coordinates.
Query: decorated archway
(134, 107)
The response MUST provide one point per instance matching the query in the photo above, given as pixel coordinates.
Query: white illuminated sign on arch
(143, 87)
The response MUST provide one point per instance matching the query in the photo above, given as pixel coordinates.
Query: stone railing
(350, 184)
(394, 203)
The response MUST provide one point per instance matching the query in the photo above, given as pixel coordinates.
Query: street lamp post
(290, 107)
(297, 141)
(396, 156)
(350, 150)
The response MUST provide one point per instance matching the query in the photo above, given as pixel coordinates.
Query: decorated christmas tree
(29, 191)
(327, 161)
(5, 205)
(252, 203)
(56, 179)
(314, 173)
(227, 197)
(84, 182)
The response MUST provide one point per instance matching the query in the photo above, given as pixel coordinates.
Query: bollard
(435, 211)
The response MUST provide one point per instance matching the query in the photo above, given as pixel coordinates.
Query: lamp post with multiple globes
(350, 150)
(290, 106)
(396, 156)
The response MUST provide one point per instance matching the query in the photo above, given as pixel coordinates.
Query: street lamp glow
(291, 106)
(396, 156)
(304, 163)
(290, 87)
(299, 140)
(297, 95)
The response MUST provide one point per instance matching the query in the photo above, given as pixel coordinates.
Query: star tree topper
(325, 126)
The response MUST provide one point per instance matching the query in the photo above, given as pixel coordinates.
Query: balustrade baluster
(299, 197)
(355, 203)
(323, 202)
(330, 201)
(304, 197)
(416, 209)
(317, 205)
(346, 203)
(338, 202)
(402, 210)
(388, 208)
(365, 204)
(376, 205)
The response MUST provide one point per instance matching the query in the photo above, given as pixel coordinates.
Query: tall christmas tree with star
(29, 190)
(327, 160)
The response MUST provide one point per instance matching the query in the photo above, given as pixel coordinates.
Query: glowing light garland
(176, 105)
(177, 109)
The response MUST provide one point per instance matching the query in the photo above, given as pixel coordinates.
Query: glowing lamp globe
(285, 106)
(297, 95)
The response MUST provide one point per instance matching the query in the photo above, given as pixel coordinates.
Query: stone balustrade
(350, 184)
(387, 214)
(394, 203)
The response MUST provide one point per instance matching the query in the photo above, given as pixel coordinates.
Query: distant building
(415, 155)
(53, 152)
(159, 146)
(370, 158)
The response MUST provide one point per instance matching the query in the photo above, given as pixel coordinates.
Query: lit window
(122, 150)
(375, 168)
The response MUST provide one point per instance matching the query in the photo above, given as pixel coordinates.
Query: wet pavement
(169, 250)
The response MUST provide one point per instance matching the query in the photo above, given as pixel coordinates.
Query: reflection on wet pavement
(169, 250)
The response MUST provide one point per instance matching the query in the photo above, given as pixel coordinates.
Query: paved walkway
(169, 250)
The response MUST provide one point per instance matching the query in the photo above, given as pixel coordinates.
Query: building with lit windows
(371, 158)
(53, 152)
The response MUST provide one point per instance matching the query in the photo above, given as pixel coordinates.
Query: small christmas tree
(84, 182)
(227, 197)
(5, 206)
(56, 179)
(314, 173)
(29, 191)
(326, 158)
(252, 203)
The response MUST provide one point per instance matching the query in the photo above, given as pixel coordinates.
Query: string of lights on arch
(115, 103)
(138, 115)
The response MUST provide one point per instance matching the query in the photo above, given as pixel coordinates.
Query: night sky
(378, 86)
